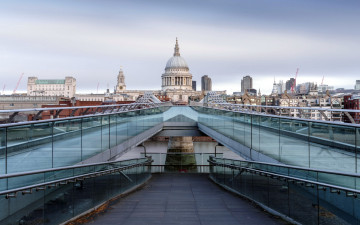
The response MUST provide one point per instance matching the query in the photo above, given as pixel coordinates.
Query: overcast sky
(225, 39)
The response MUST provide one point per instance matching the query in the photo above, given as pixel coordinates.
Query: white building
(177, 75)
(51, 87)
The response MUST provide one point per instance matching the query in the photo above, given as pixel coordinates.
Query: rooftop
(53, 81)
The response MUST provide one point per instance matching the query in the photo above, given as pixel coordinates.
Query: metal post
(142, 145)
(218, 144)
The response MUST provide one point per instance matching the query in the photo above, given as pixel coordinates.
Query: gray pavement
(183, 199)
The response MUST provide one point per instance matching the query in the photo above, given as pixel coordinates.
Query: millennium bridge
(71, 170)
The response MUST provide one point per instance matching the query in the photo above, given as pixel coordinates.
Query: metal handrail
(79, 177)
(288, 117)
(70, 118)
(298, 168)
(352, 191)
(72, 107)
(289, 107)
(10, 175)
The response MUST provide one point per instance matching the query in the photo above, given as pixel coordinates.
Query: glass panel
(21, 210)
(270, 138)
(239, 127)
(83, 192)
(91, 136)
(105, 130)
(255, 133)
(278, 196)
(294, 145)
(113, 130)
(247, 131)
(121, 128)
(67, 142)
(303, 206)
(332, 147)
(29, 147)
(58, 204)
(131, 125)
(228, 129)
(336, 208)
(2, 152)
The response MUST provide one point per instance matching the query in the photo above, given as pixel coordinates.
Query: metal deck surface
(183, 199)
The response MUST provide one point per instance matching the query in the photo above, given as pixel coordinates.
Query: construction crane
(3, 89)
(17, 85)
(294, 84)
(322, 81)
(97, 88)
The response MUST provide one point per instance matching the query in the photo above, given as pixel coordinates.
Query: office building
(206, 83)
(246, 83)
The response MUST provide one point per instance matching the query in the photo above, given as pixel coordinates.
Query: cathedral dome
(176, 62)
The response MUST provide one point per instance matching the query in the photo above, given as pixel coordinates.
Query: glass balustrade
(299, 142)
(63, 142)
(304, 195)
(62, 201)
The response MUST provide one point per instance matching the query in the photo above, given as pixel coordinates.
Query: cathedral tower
(120, 81)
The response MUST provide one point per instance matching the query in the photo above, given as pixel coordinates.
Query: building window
(11, 104)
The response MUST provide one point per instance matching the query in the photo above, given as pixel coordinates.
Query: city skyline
(90, 40)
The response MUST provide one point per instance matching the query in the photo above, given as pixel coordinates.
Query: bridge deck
(183, 199)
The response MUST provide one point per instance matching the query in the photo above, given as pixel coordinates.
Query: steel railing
(334, 185)
(81, 110)
(103, 169)
(326, 114)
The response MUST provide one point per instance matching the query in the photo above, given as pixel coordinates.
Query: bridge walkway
(183, 199)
